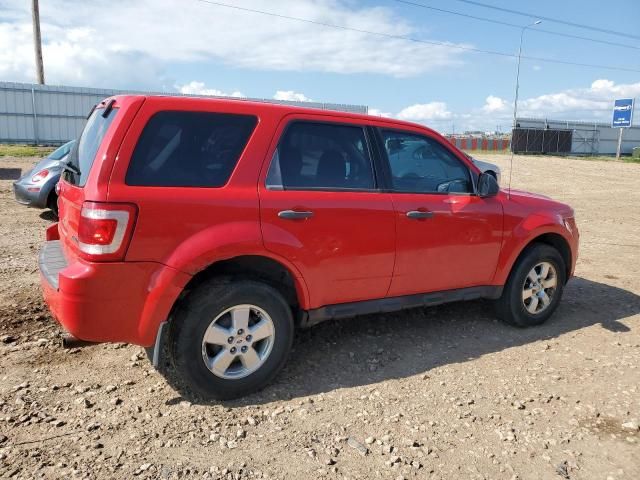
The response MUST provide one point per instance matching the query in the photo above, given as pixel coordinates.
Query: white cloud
(379, 113)
(198, 88)
(421, 112)
(73, 56)
(291, 96)
(495, 104)
(140, 44)
(594, 102)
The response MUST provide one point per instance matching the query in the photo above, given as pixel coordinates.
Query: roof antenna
(515, 103)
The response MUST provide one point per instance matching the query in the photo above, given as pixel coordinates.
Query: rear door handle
(419, 215)
(295, 214)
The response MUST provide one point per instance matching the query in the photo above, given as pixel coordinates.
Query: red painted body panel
(527, 216)
(95, 303)
(458, 247)
(357, 246)
(345, 252)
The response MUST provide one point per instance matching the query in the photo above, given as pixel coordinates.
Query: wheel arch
(552, 239)
(257, 267)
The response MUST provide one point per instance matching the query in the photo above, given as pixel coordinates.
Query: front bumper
(110, 301)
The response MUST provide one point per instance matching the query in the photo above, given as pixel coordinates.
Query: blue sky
(197, 47)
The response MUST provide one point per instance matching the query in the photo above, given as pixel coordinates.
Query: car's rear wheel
(230, 338)
(52, 203)
(534, 288)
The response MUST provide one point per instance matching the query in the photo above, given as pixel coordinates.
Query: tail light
(41, 175)
(105, 230)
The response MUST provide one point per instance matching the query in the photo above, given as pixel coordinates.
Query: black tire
(52, 203)
(195, 314)
(510, 307)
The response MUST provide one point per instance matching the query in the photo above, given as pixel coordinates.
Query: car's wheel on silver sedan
(52, 203)
(230, 338)
(534, 287)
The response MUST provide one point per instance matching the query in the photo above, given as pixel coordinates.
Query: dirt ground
(442, 393)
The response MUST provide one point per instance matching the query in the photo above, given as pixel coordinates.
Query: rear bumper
(111, 301)
(29, 198)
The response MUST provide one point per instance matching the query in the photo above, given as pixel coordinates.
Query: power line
(416, 40)
(549, 19)
(515, 25)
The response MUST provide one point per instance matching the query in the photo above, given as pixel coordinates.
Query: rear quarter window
(189, 149)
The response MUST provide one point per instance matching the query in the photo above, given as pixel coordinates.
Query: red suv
(210, 229)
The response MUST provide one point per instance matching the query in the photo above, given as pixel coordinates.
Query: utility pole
(37, 41)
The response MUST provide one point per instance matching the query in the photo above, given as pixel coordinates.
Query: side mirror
(487, 185)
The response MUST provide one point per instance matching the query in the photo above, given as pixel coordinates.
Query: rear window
(189, 149)
(84, 150)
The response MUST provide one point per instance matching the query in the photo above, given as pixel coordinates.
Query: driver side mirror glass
(487, 185)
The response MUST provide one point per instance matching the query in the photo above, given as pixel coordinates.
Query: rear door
(321, 208)
(447, 237)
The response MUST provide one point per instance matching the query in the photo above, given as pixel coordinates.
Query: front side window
(422, 165)
(321, 156)
(189, 149)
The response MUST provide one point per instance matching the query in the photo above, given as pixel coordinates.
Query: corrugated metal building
(589, 138)
(45, 114)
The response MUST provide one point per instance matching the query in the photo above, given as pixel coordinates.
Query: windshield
(62, 151)
(84, 151)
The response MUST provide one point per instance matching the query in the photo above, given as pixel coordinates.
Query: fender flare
(195, 255)
(523, 235)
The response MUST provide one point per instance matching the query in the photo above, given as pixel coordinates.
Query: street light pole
(515, 102)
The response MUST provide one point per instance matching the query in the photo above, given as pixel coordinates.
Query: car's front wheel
(230, 337)
(534, 288)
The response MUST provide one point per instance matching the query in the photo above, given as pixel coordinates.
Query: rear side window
(321, 156)
(189, 149)
(84, 151)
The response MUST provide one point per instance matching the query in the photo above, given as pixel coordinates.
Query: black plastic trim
(392, 304)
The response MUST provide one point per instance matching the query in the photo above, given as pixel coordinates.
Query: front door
(447, 237)
(320, 208)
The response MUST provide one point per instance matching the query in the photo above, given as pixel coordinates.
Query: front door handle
(419, 215)
(295, 214)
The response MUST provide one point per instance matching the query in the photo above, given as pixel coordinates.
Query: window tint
(189, 149)
(319, 155)
(83, 152)
(421, 164)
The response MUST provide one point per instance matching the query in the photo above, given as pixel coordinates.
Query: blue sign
(622, 113)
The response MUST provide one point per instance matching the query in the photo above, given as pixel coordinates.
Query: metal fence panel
(45, 114)
(589, 138)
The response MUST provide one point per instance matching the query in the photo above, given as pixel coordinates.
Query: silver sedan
(490, 168)
(36, 188)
